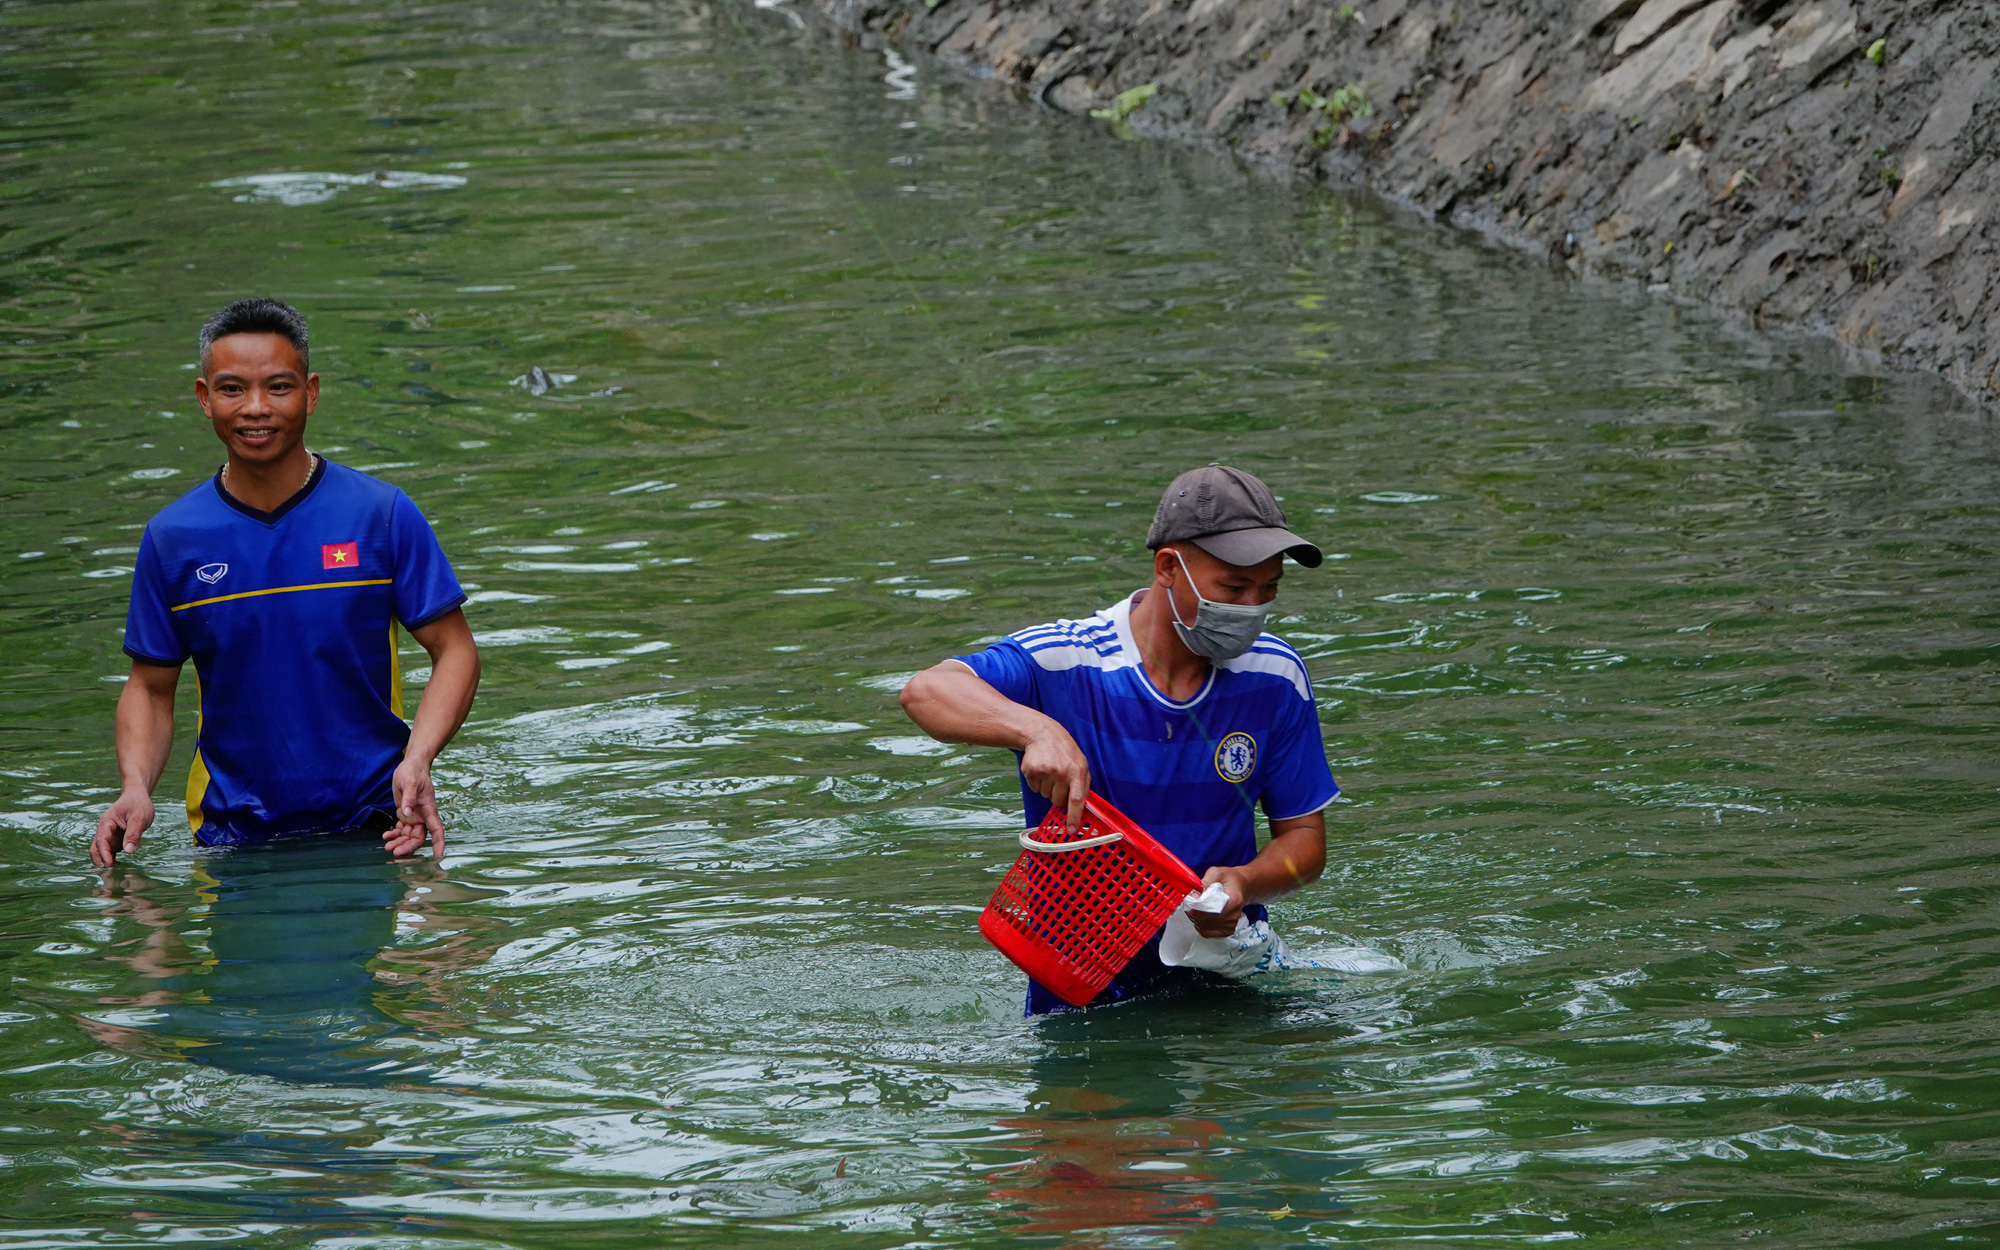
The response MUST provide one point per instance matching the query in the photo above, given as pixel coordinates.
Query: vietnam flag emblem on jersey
(339, 555)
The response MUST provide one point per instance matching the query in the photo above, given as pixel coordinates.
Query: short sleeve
(1299, 782)
(150, 636)
(424, 587)
(1007, 668)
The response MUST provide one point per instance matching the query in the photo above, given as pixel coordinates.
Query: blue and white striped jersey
(1189, 773)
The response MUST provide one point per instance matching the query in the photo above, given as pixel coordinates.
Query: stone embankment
(1815, 163)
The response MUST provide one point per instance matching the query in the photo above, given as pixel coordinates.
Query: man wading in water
(283, 578)
(1174, 704)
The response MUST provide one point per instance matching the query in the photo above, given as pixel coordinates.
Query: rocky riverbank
(1813, 163)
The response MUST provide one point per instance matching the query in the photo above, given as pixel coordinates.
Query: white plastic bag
(1253, 948)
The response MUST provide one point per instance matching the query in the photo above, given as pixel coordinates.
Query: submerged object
(539, 381)
(1076, 907)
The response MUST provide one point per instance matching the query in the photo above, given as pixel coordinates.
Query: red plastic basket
(1072, 919)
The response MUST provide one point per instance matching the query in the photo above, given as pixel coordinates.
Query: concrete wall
(1755, 154)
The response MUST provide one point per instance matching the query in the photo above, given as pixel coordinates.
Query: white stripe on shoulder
(1271, 642)
(1067, 644)
(1057, 659)
(1271, 654)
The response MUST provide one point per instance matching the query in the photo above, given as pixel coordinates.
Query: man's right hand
(145, 735)
(120, 827)
(1054, 767)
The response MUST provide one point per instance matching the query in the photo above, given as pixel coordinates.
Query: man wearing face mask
(1173, 704)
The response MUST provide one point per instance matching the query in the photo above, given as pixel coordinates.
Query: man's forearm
(448, 695)
(1293, 858)
(144, 732)
(145, 727)
(952, 705)
(446, 703)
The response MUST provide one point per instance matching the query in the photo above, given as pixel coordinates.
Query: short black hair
(257, 315)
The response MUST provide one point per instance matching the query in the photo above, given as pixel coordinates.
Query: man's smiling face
(257, 394)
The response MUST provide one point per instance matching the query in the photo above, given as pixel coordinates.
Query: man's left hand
(416, 812)
(1216, 924)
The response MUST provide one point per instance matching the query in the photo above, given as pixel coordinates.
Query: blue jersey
(290, 618)
(1190, 773)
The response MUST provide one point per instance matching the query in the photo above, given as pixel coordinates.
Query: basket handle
(1029, 841)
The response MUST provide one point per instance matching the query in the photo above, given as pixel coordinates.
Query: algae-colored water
(1658, 662)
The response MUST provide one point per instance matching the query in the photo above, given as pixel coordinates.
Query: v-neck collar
(1120, 616)
(276, 514)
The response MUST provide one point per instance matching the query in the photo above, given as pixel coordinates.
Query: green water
(1658, 662)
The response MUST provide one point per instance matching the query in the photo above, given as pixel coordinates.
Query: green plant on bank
(1890, 174)
(1350, 101)
(1877, 51)
(1127, 103)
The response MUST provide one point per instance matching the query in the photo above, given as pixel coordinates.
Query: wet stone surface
(1814, 164)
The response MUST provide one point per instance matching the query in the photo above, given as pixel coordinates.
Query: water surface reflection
(293, 960)
(1159, 1120)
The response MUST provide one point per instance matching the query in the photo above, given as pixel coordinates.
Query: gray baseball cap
(1230, 515)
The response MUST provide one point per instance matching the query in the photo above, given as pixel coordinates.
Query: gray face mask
(1221, 631)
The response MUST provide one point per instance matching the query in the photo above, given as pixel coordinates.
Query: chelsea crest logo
(1236, 757)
